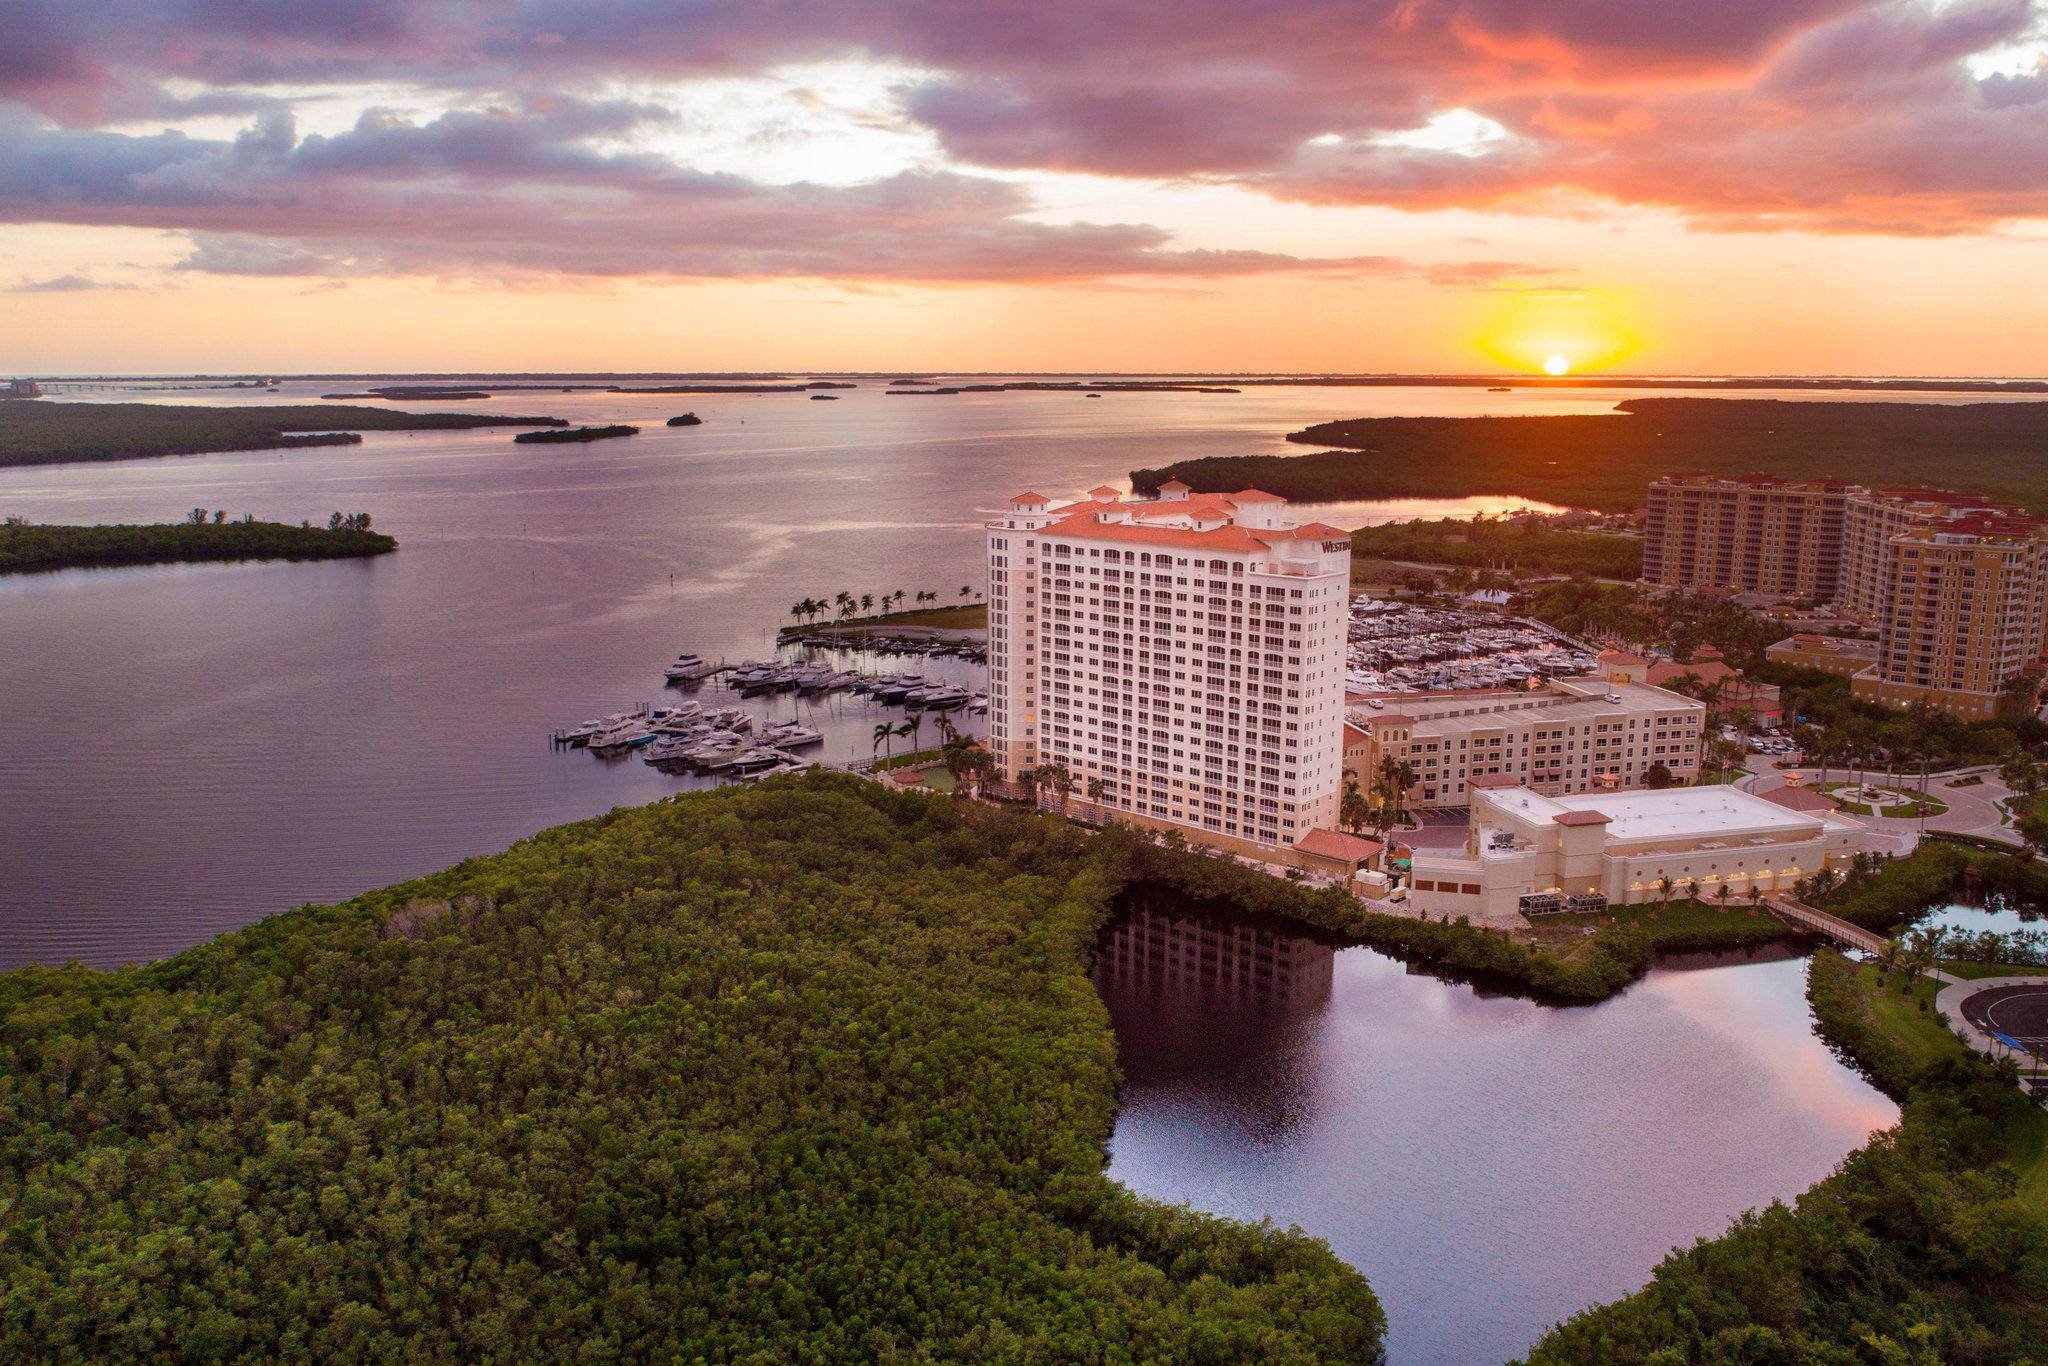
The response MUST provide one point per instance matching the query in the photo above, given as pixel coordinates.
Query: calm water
(1491, 1165)
(189, 748)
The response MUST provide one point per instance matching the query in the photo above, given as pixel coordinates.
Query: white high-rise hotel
(1187, 653)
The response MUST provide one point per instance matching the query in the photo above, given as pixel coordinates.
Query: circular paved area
(2018, 1013)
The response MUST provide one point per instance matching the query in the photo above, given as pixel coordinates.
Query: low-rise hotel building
(1182, 657)
(1569, 735)
(1527, 853)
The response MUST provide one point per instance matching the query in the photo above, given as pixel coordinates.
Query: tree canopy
(805, 1071)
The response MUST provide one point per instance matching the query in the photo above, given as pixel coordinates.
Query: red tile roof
(1231, 539)
(1493, 780)
(1583, 818)
(1104, 491)
(1307, 531)
(1325, 843)
(1027, 497)
(1800, 799)
(1253, 495)
(1174, 484)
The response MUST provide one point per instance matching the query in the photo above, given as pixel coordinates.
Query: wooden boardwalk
(1833, 926)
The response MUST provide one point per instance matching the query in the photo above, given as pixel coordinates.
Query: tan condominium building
(1527, 853)
(1954, 582)
(1184, 653)
(1570, 735)
(1747, 534)
(1965, 610)
(1876, 518)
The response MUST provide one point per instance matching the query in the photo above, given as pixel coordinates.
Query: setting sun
(1559, 332)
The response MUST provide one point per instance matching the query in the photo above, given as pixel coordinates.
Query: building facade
(1527, 853)
(1966, 610)
(1745, 534)
(1875, 518)
(1570, 735)
(1181, 657)
(1956, 584)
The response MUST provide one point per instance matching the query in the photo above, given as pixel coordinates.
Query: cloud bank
(1819, 115)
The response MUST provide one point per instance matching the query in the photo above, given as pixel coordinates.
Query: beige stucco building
(1186, 653)
(1527, 853)
(1569, 735)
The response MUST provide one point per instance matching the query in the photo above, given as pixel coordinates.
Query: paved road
(1996, 1002)
(1972, 810)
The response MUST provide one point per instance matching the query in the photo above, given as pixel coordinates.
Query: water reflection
(1217, 1014)
(1992, 914)
(1491, 1164)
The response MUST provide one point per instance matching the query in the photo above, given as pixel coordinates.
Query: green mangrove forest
(1606, 461)
(806, 1071)
(27, 547)
(1519, 544)
(44, 433)
(570, 435)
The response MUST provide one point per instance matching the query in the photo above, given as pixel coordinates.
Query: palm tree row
(844, 604)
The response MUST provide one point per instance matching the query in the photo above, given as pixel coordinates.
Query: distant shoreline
(1992, 384)
(38, 548)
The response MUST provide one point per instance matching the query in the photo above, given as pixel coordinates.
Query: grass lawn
(1926, 1040)
(1915, 805)
(972, 616)
(1672, 925)
(1972, 971)
(908, 759)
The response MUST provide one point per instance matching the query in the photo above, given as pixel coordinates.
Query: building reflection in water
(1217, 1012)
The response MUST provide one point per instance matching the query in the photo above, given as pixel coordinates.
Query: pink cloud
(1854, 115)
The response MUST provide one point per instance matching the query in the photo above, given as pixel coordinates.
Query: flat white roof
(1674, 813)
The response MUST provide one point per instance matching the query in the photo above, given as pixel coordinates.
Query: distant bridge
(1820, 922)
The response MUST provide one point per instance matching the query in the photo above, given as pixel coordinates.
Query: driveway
(1972, 810)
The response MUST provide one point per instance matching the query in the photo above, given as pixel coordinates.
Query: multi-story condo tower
(1875, 517)
(1750, 533)
(1952, 580)
(1965, 610)
(1185, 653)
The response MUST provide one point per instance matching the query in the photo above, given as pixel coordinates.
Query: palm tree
(1353, 810)
(976, 764)
(1055, 778)
(913, 727)
(867, 603)
(1095, 791)
(884, 733)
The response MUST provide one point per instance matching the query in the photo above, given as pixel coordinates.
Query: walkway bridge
(1820, 922)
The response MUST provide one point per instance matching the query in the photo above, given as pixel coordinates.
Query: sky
(1648, 186)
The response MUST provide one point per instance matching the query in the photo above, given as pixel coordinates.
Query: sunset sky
(1741, 186)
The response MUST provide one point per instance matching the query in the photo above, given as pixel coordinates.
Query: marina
(1395, 647)
(728, 742)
